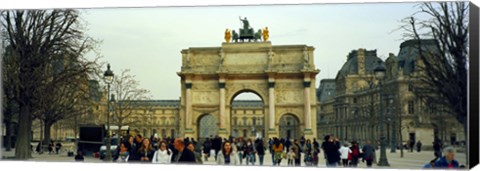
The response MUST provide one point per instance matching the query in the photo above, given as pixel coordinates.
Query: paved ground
(410, 160)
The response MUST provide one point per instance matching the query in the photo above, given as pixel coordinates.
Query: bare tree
(10, 107)
(444, 67)
(67, 99)
(128, 94)
(37, 38)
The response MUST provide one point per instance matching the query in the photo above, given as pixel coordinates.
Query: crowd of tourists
(248, 151)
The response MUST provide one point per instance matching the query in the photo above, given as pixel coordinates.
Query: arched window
(164, 133)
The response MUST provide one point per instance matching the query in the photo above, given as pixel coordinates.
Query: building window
(354, 100)
(410, 87)
(244, 133)
(410, 107)
(254, 120)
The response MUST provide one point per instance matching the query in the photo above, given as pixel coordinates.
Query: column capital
(188, 85)
(306, 83)
(271, 84)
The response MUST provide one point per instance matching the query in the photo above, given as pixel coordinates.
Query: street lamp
(108, 78)
(119, 130)
(380, 75)
(393, 123)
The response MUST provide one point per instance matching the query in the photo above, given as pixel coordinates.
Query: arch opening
(289, 126)
(247, 114)
(207, 126)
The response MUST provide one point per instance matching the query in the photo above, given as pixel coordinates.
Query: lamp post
(108, 78)
(119, 130)
(380, 75)
(394, 128)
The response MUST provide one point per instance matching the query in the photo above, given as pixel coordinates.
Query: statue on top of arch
(246, 33)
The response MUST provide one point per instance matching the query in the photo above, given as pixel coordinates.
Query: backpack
(355, 152)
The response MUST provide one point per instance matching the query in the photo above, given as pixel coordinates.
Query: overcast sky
(148, 41)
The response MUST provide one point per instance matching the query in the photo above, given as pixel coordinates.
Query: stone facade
(353, 111)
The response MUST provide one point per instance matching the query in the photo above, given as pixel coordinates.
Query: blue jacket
(442, 163)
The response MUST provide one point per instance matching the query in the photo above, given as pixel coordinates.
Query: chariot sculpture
(246, 33)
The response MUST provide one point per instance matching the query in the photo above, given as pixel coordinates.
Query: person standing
(58, 146)
(355, 154)
(50, 147)
(227, 156)
(308, 146)
(298, 154)
(324, 144)
(217, 144)
(270, 149)
(260, 148)
(182, 155)
(278, 151)
(315, 143)
(331, 148)
(437, 147)
(411, 145)
(138, 141)
(163, 155)
(368, 153)
(308, 152)
(288, 144)
(419, 146)
(123, 153)
(249, 152)
(240, 145)
(448, 160)
(207, 146)
(145, 152)
(198, 156)
(291, 156)
(316, 151)
(344, 152)
(302, 142)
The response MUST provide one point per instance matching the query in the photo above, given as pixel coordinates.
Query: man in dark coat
(136, 145)
(217, 144)
(260, 148)
(183, 155)
(288, 144)
(411, 145)
(419, 146)
(437, 148)
(368, 153)
(331, 148)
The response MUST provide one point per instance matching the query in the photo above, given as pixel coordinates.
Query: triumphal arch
(282, 76)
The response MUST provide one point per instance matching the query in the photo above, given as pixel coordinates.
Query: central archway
(207, 127)
(247, 115)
